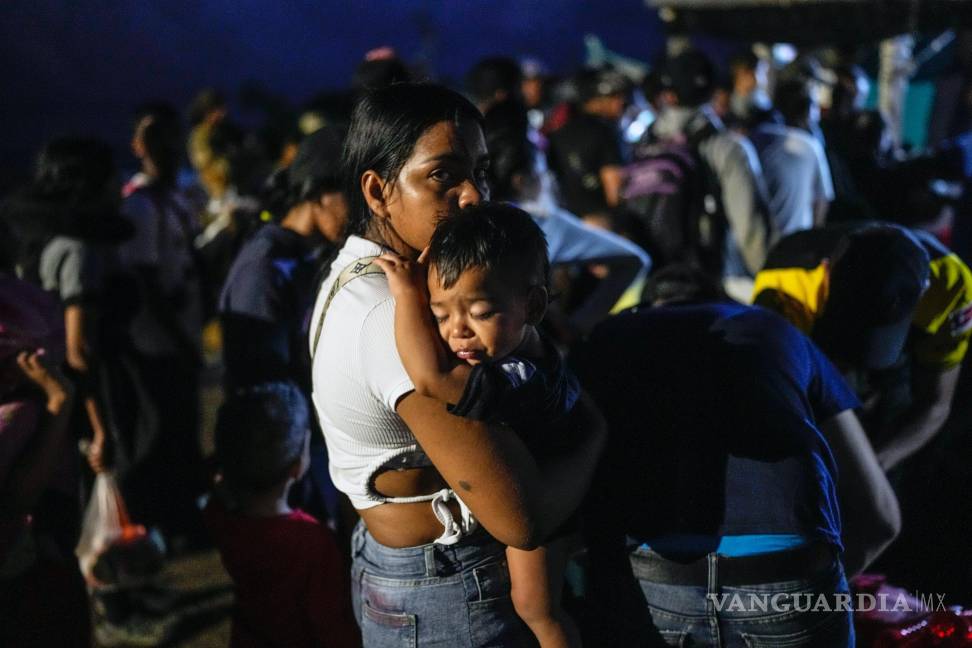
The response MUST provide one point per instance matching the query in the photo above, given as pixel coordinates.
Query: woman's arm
(418, 341)
(517, 501)
(78, 355)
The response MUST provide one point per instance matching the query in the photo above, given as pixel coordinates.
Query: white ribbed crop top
(358, 378)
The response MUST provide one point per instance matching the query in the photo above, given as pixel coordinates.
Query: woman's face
(445, 172)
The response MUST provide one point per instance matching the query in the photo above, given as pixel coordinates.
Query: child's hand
(406, 278)
(40, 371)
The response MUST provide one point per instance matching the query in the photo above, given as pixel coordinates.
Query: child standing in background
(486, 289)
(290, 580)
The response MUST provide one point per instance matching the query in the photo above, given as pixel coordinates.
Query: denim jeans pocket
(831, 629)
(492, 619)
(492, 582)
(387, 629)
(673, 637)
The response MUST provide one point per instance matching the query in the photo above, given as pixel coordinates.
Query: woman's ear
(536, 304)
(373, 189)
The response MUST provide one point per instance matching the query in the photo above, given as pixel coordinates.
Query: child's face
(481, 316)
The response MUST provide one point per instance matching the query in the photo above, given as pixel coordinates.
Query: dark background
(80, 66)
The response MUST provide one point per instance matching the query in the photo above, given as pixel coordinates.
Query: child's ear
(373, 189)
(536, 304)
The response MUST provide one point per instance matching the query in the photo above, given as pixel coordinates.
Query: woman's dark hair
(385, 125)
(73, 193)
(491, 236)
(314, 172)
(260, 433)
(162, 136)
(510, 154)
(73, 170)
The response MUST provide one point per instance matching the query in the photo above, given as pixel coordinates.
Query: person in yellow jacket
(892, 308)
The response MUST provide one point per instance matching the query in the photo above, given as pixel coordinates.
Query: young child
(290, 582)
(486, 288)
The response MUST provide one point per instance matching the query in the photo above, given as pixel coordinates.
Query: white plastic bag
(105, 522)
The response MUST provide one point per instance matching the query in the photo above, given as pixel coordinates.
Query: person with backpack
(696, 187)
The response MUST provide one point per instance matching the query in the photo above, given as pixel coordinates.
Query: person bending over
(486, 290)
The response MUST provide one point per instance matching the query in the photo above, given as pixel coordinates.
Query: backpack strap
(358, 268)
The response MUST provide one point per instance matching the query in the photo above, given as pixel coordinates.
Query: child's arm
(418, 341)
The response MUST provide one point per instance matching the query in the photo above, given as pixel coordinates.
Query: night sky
(79, 66)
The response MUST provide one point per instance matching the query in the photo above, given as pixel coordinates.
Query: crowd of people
(671, 333)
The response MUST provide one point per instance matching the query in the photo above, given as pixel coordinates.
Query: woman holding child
(428, 567)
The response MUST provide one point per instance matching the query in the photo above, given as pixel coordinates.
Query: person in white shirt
(794, 165)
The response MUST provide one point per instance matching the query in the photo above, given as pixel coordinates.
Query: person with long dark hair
(439, 496)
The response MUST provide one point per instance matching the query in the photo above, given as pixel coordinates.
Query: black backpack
(677, 200)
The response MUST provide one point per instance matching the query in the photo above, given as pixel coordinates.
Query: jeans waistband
(714, 569)
(428, 560)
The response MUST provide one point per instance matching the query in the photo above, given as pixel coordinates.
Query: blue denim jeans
(433, 595)
(751, 616)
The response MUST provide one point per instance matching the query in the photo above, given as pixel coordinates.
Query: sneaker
(136, 631)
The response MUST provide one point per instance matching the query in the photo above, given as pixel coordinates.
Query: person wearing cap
(270, 285)
(892, 308)
(685, 87)
(585, 154)
(745, 474)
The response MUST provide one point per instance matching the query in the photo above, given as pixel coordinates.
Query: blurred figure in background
(858, 144)
(42, 595)
(493, 81)
(268, 290)
(206, 112)
(749, 95)
(166, 329)
(585, 154)
(516, 175)
(713, 210)
(66, 225)
(794, 165)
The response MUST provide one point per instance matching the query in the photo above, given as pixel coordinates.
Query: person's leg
(536, 587)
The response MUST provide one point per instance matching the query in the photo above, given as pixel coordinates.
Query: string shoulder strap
(358, 268)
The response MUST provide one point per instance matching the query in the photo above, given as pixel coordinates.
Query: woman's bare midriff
(406, 525)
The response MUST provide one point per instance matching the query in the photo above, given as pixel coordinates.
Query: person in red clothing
(290, 579)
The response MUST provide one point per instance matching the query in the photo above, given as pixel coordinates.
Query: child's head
(262, 438)
(488, 272)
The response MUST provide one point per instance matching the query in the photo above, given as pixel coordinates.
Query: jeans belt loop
(712, 581)
(429, 552)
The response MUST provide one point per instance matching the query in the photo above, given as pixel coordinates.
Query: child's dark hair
(260, 433)
(489, 236)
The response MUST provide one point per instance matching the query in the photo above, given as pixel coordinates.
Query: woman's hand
(39, 370)
(406, 278)
(95, 454)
